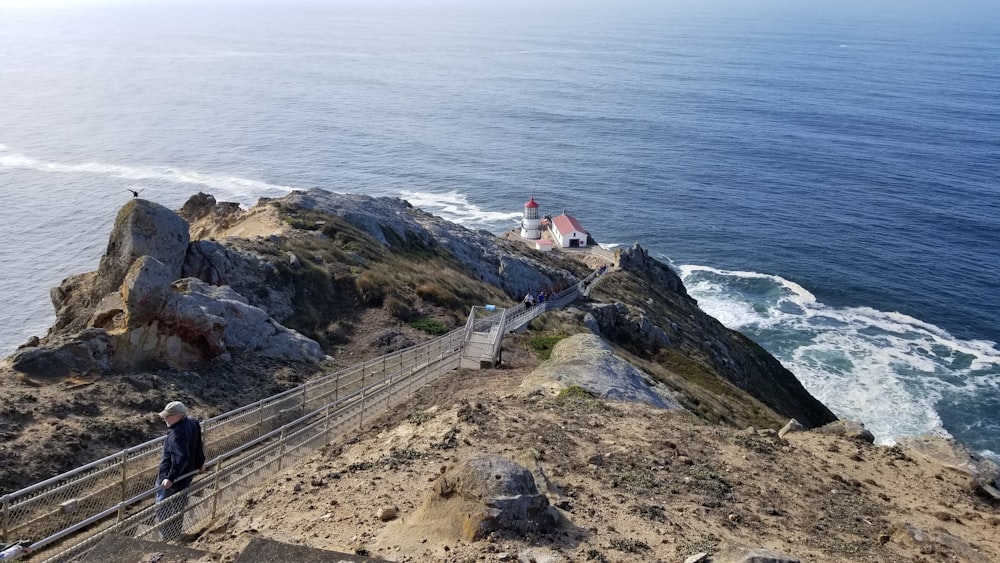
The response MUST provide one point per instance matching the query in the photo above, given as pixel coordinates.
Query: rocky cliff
(199, 303)
(160, 297)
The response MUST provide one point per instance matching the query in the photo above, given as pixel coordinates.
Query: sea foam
(456, 207)
(887, 369)
(224, 187)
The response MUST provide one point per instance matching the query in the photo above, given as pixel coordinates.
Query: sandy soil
(633, 484)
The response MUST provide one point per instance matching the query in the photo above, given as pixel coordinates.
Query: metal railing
(244, 447)
(101, 496)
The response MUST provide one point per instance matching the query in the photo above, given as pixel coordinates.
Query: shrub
(542, 345)
(434, 293)
(433, 327)
(371, 287)
(397, 308)
(629, 546)
(575, 392)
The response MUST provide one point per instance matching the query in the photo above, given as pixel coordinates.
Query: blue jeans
(170, 505)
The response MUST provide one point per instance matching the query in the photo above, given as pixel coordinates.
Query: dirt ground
(632, 483)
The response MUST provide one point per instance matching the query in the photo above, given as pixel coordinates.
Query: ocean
(823, 177)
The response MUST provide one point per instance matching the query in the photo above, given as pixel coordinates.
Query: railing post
(260, 419)
(388, 383)
(326, 427)
(6, 517)
(121, 506)
(215, 488)
(281, 450)
(361, 418)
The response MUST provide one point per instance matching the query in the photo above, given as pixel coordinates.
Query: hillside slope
(632, 483)
(357, 277)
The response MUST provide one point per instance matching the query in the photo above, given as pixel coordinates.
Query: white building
(567, 232)
(530, 222)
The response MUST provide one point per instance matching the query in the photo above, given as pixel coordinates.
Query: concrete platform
(131, 550)
(263, 550)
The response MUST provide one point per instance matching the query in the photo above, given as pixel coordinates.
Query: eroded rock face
(198, 321)
(676, 322)
(395, 222)
(142, 228)
(136, 308)
(502, 494)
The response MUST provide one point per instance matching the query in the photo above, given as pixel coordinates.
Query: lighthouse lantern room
(530, 223)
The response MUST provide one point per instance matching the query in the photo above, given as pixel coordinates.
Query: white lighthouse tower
(530, 223)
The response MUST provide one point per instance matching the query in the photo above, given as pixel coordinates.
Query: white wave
(456, 207)
(226, 186)
(609, 245)
(887, 369)
(800, 294)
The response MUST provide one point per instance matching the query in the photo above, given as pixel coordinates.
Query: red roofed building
(567, 232)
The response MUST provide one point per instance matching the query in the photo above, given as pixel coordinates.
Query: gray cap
(175, 407)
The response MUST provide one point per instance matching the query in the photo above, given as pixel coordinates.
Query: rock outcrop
(396, 223)
(486, 494)
(673, 321)
(137, 308)
(585, 361)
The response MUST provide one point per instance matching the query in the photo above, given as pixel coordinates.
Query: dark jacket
(182, 453)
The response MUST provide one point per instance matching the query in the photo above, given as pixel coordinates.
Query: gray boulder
(200, 322)
(584, 360)
(87, 352)
(499, 495)
(250, 275)
(848, 429)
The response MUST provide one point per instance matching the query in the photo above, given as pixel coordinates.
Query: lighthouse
(530, 222)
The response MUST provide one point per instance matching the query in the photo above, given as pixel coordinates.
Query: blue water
(824, 178)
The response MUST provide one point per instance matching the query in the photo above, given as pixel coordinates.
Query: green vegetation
(754, 443)
(338, 271)
(575, 392)
(594, 555)
(629, 546)
(709, 482)
(430, 326)
(634, 479)
(649, 512)
(579, 399)
(419, 417)
(543, 344)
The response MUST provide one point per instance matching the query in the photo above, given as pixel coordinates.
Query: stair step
(119, 548)
(263, 550)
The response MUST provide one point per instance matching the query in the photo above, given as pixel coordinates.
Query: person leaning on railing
(183, 456)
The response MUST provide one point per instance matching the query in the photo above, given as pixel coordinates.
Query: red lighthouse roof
(531, 203)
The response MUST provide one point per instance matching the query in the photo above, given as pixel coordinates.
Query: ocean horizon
(824, 180)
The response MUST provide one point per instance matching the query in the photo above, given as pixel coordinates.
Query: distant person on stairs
(183, 455)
